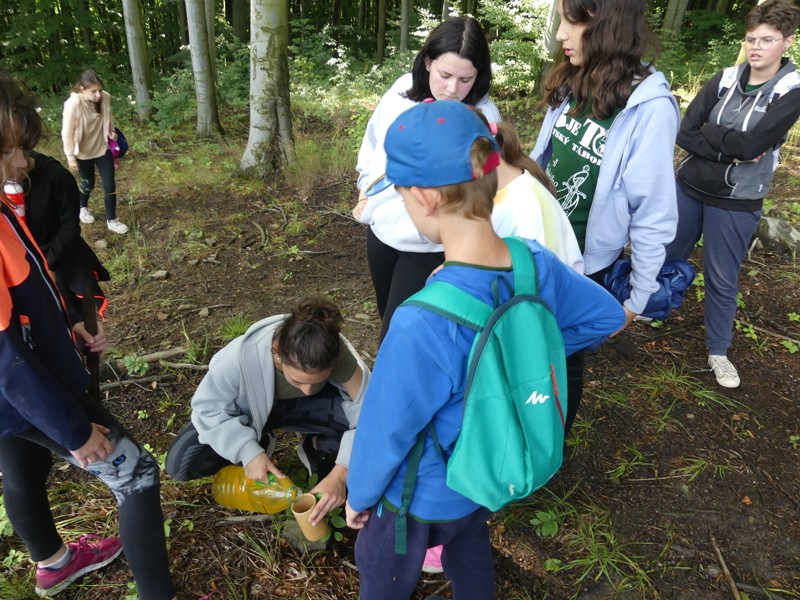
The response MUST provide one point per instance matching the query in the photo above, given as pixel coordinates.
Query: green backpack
(512, 435)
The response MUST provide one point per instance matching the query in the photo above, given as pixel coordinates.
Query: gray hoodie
(232, 404)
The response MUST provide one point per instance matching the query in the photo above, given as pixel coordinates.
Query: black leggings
(130, 472)
(321, 415)
(105, 164)
(397, 275)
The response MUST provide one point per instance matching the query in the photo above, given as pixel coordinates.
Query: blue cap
(429, 145)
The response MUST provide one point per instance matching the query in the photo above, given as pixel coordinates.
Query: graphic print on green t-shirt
(578, 145)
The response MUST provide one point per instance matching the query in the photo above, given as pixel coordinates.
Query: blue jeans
(726, 237)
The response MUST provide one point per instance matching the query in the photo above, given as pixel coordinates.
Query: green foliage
(6, 530)
(516, 29)
(546, 523)
(707, 42)
(234, 326)
(135, 365)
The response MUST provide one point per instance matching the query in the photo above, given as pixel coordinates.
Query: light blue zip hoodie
(635, 196)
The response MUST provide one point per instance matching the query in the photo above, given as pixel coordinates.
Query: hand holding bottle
(260, 467)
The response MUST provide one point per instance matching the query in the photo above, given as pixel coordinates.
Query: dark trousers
(105, 164)
(726, 236)
(466, 556)
(321, 415)
(130, 472)
(397, 275)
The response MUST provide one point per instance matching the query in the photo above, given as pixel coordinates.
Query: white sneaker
(117, 227)
(86, 215)
(725, 372)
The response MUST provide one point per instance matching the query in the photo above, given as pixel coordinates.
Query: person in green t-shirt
(607, 141)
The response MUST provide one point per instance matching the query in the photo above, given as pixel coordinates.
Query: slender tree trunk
(137, 53)
(182, 23)
(445, 9)
(270, 143)
(381, 31)
(362, 16)
(241, 19)
(722, 6)
(207, 112)
(210, 26)
(550, 29)
(405, 15)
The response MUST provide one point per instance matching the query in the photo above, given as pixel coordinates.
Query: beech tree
(205, 88)
(137, 52)
(270, 143)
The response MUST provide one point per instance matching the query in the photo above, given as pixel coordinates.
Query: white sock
(61, 562)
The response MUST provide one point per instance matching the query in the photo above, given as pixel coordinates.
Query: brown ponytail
(309, 339)
(511, 151)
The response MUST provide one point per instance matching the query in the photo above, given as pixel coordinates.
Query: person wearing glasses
(732, 132)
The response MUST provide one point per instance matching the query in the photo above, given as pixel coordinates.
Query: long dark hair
(309, 339)
(87, 79)
(612, 46)
(462, 36)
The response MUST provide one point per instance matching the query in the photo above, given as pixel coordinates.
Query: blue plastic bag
(119, 146)
(674, 277)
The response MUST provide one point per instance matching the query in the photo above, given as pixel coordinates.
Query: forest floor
(667, 476)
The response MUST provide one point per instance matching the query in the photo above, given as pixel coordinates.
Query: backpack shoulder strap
(453, 303)
(526, 280)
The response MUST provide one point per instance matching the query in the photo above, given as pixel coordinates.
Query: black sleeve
(690, 137)
(747, 145)
(66, 205)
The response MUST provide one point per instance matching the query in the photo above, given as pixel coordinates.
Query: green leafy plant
(793, 317)
(135, 365)
(6, 530)
(338, 523)
(699, 282)
(794, 441)
(545, 523)
(791, 346)
(14, 557)
(628, 463)
(142, 414)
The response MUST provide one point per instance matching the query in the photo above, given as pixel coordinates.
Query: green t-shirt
(578, 145)
(343, 368)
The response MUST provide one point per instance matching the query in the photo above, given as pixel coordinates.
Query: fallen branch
(753, 589)
(245, 519)
(728, 578)
(119, 364)
(139, 382)
(771, 333)
(189, 366)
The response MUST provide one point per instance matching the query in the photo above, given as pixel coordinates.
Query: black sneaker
(314, 460)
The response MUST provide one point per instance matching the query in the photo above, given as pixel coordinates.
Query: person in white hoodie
(453, 64)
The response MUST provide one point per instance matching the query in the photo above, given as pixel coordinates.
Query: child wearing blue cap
(443, 160)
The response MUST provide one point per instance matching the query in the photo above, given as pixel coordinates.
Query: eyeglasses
(765, 43)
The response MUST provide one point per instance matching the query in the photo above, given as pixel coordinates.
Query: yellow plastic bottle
(232, 488)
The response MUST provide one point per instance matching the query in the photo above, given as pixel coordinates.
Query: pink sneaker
(89, 553)
(433, 560)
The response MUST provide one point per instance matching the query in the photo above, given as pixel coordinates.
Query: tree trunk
(550, 29)
(207, 113)
(673, 17)
(722, 6)
(270, 143)
(137, 53)
(212, 49)
(445, 9)
(405, 16)
(241, 19)
(381, 31)
(182, 23)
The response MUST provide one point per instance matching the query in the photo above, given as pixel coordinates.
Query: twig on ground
(189, 366)
(139, 382)
(728, 578)
(753, 589)
(245, 519)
